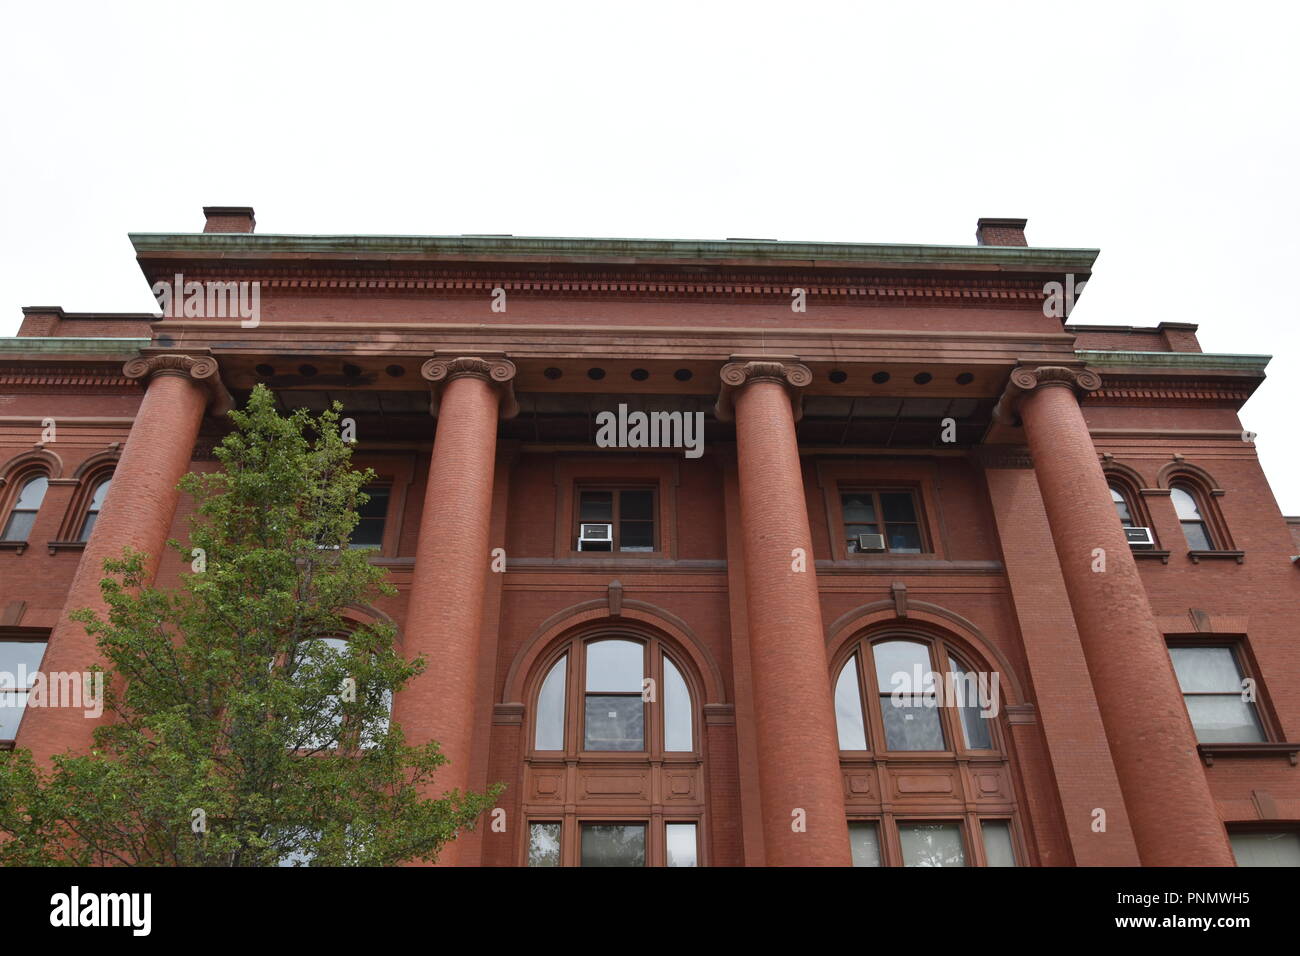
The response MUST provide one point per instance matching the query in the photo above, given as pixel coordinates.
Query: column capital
(198, 366)
(491, 367)
(743, 370)
(1029, 378)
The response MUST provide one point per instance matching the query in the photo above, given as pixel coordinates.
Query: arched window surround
(573, 789)
(1206, 492)
(891, 791)
(89, 475)
(15, 481)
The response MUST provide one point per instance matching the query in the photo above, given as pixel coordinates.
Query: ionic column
(798, 749)
(1170, 806)
(137, 514)
(445, 613)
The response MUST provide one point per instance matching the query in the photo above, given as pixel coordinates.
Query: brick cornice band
(202, 370)
(736, 375)
(497, 370)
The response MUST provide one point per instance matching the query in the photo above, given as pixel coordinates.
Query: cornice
(27, 376)
(1224, 362)
(553, 249)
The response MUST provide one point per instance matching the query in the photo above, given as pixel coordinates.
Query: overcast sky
(1164, 134)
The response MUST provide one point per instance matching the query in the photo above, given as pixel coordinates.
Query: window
(616, 519)
(615, 711)
(932, 844)
(865, 843)
(1266, 849)
(1195, 528)
(605, 843)
(1216, 696)
(369, 530)
(544, 844)
(19, 661)
(918, 706)
(319, 658)
(93, 509)
(1122, 507)
(614, 769)
(892, 513)
(998, 848)
(23, 513)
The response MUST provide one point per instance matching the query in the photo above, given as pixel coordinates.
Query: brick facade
(929, 375)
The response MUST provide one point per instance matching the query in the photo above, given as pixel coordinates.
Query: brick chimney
(1001, 232)
(229, 219)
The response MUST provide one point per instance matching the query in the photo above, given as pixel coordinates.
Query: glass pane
(88, 526)
(848, 708)
(614, 723)
(615, 666)
(683, 849)
(974, 726)
(97, 502)
(368, 533)
(1266, 849)
(858, 509)
(898, 506)
(12, 706)
(1206, 669)
(636, 505)
(377, 506)
(901, 665)
(904, 538)
(1184, 504)
(549, 734)
(636, 536)
(677, 711)
(613, 845)
(1198, 539)
(864, 844)
(544, 844)
(1223, 719)
(911, 722)
(597, 506)
(19, 525)
(997, 842)
(19, 661)
(932, 844)
(33, 493)
(1121, 507)
(316, 655)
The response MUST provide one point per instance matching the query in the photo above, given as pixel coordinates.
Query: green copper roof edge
(1223, 361)
(36, 343)
(1024, 256)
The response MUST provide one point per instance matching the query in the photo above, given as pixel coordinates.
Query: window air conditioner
(1140, 539)
(596, 537)
(871, 542)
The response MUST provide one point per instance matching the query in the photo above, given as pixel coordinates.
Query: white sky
(1165, 134)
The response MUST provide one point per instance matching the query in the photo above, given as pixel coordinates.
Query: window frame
(875, 491)
(970, 826)
(15, 485)
(615, 489)
(950, 720)
(656, 828)
(654, 651)
(1246, 668)
(22, 635)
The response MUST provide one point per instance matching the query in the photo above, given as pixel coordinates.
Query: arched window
(1195, 528)
(620, 709)
(23, 513)
(1122, 507)
(96, 503)
(318, 656)
(917, 720)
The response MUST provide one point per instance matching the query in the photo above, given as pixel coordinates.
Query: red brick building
(690, 653)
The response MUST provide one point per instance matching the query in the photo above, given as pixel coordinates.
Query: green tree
(245, 733)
